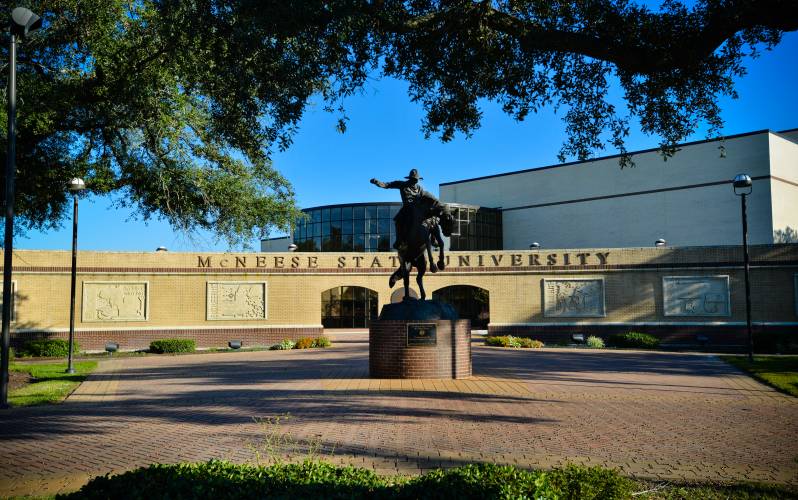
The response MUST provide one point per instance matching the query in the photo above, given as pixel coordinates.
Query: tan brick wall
(177, 284)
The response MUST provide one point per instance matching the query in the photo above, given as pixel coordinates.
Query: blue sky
(383, 140)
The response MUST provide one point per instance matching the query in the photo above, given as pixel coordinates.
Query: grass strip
(779, 372)
(50, 382)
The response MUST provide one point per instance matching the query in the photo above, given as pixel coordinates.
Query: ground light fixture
(75, 185)
(111, 347)
(235, 344)
(23, 22)
(743, 186)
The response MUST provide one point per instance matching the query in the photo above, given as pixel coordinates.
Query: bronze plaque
(420, 334)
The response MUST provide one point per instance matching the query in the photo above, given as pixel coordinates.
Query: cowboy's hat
(413, 175)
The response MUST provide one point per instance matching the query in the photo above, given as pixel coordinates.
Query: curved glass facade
(369, 227)
(359, 227)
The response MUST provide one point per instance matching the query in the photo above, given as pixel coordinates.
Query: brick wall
(178, 291)
(391, 357)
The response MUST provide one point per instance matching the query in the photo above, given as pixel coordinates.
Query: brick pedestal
(391, 357)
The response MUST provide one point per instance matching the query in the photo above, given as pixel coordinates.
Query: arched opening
(398, 295)
(348, 307)
(470, 302)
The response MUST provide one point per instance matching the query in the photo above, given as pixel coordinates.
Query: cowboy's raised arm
(389, 185)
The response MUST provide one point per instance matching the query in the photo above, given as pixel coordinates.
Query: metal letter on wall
(573, 298)
(115, 301)
(696, 296)
(236, 300)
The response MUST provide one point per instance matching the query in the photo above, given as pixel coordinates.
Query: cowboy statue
(420, 224)
(411, 192)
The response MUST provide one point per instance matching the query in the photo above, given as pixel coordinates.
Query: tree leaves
(173, 107)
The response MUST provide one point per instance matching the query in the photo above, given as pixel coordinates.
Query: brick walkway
(664, 415)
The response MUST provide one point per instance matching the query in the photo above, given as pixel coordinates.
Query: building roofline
(609, 157)
(337, 205)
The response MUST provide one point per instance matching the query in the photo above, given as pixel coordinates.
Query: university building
(596, 269)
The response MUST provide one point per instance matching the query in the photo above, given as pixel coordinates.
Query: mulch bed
(17, 380)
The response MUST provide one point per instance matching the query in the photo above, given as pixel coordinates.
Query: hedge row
(515, 342)
(633, 340)
(220, 479)
(50, 348)
(164, 346)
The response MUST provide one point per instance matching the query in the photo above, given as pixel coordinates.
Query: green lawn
(780, 372)
(51, 384)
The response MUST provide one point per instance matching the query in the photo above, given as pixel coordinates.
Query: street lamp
(23, 22)
(75, 186)
(660, 243)
(742, 188)
(534, 244)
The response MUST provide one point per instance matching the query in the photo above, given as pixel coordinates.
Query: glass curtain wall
(347, 228)
(476, 228)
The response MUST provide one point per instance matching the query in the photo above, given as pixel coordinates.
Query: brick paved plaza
(650, 414)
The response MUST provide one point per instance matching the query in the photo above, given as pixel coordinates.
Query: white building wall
(687, 200)
(784, 186)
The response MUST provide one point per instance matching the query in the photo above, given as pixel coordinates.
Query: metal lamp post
(742, 188)
(75, 186)
(23, 22)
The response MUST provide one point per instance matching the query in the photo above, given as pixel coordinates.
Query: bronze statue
(420, 224)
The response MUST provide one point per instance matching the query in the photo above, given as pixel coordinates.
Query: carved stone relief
(696, 296)
(237, 300)
(573, 298)
(115, 301)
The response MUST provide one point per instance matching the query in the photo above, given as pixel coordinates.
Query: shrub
(164, 346)
(503, 341)
(284, 345)
(530, 343)
(595, 342)
(514, 342)
(304, 343)
(321, 342)
(219, 479)
(633, 340)
(50, 348)
(776, 342)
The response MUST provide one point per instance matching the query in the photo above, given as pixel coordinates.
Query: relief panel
(573, 298)
(696, 296)
(236, 300)
(115, 301)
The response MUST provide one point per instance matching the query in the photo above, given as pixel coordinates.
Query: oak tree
(174, 106)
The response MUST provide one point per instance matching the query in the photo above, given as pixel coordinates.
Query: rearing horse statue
(420, 224)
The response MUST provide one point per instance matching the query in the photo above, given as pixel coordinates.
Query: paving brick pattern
(663, 415)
